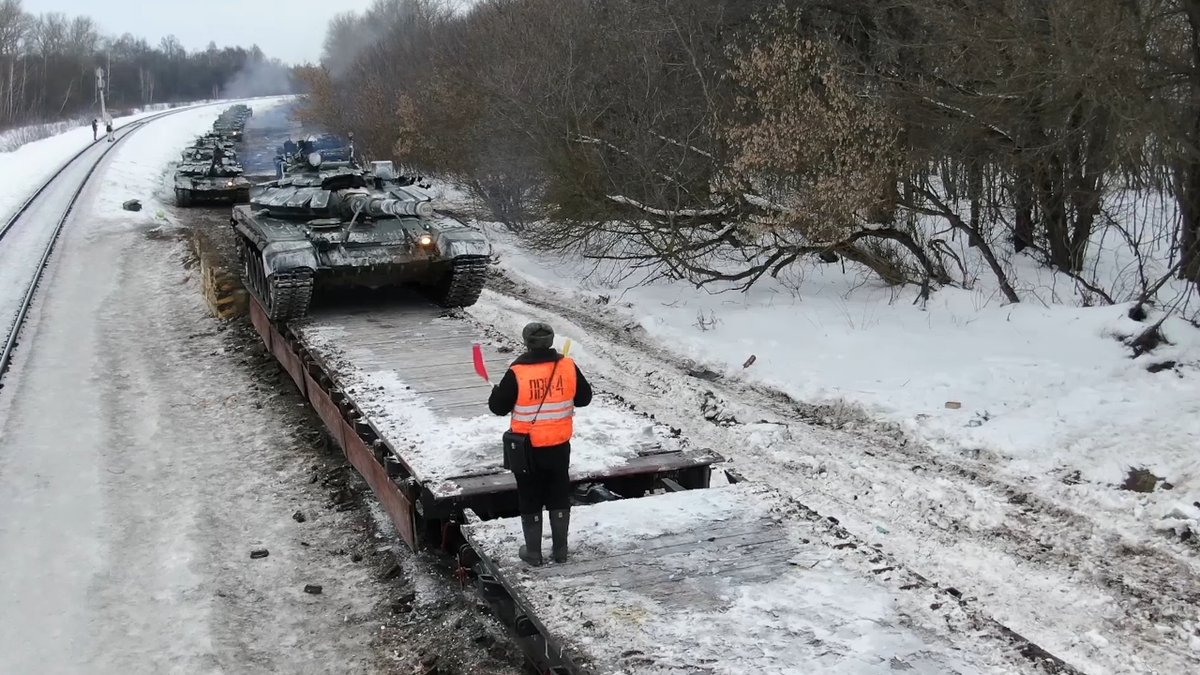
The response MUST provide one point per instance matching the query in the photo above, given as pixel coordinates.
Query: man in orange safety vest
(541, 390)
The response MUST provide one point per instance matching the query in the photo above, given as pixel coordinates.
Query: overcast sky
(291, 30)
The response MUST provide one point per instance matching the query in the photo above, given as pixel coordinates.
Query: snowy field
(1039, 390)
(984, 444)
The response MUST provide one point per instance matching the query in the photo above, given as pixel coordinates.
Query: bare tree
(714, 140)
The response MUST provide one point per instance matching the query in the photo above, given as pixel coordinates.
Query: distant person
(541, 390)
(95, 129)
(108, 127)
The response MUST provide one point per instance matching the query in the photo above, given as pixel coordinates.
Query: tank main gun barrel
(382, 207)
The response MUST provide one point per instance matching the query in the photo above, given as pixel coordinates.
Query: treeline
(930, 141)
(48, 63)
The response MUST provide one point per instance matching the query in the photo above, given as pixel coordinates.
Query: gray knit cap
(538, 335)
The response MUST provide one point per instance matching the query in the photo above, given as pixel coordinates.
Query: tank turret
(330, 224)
(312, 153)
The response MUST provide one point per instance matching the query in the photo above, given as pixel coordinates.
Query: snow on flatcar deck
(409, 370)
(725, 580)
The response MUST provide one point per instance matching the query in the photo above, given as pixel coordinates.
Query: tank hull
(194, 190)
(447, 261)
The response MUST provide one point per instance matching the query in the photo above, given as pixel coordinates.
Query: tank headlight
(425, 240)
(314, 159)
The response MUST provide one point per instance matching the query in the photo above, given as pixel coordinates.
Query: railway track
(28, 237)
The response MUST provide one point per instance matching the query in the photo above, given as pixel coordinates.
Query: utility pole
(100, 88)
(108, 121)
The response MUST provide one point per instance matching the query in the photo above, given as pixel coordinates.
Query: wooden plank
(432, 387)
(449, 340)
(649, 577)
(375, 336)
(428, 361)
(412, 371)
(467, 395)
(461, 410)
(739, 534)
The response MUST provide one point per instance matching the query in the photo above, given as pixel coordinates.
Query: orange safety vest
(554, 424)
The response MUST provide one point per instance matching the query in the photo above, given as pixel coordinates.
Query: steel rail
(16, 216)
(10, 341)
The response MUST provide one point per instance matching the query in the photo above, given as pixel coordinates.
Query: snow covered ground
(1043, 391)
(16, 137)
(735, 580)
(981, 443)
(139, 468)
(1009, 493)
(23, 170)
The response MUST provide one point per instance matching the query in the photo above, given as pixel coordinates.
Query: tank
(228, 130)
(203, 153)
(294, 155)
(210, 140)
(217, 177)
(232, 122)
(240, 110)
(233, 133)
(336, 225)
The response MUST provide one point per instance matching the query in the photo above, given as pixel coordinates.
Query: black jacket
(504, 395)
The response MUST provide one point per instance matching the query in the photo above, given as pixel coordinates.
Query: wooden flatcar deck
(408, 368)
(723, 580)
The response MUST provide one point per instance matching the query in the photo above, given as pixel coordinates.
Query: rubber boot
(531, 552)
(560, 521)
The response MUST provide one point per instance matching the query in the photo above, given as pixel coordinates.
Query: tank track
(463, 284)
(290, 292)
(286, 295)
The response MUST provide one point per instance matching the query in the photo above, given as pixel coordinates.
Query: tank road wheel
(251, 269)
(461, 286)
(284, 295)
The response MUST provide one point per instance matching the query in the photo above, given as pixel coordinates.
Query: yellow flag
(567, 347)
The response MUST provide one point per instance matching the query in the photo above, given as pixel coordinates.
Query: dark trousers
(548, 485)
